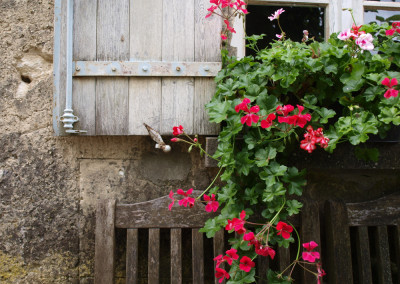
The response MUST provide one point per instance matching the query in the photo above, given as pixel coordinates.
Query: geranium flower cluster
(395, 29)
(362, 39)
(239, 7)
(313, 137)
(390, 83)
(211, 203)
(251, 116)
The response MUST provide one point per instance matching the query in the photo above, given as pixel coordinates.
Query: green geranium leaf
(263, 156)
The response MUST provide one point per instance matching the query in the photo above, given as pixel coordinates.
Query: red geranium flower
(246, 264)
(221, 273)
(237, 224)
(268, 121)
(284, 229)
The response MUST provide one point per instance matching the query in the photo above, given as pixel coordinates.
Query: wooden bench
(152, 215)
(359, 242)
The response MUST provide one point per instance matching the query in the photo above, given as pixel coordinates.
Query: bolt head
(178, 68)
(78, 69)
(114, 69)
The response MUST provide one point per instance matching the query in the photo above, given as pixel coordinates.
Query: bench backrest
(152, 215)
(360, 242)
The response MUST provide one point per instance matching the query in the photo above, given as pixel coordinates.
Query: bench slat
(338, 255)
(397, 249)
(383, 257)
(218, 246)
(155, 214)
(197, 257)
(104, 242)
(310, 231)
(284, 258)
(176, 256)
(363, 255)
(132, 256)
(263, 265)
(154, 256)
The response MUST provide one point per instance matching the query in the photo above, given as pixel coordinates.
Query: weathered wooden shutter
(126, 62)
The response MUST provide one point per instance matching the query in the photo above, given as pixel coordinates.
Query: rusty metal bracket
(146, 68)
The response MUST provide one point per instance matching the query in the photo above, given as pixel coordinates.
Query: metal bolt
(206, 68)
(78, 68)
(144, 68)
(178, 68)
(114, 69)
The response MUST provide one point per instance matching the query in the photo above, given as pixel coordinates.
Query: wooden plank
(310, 231)
(144, 105)
(263, 266)
(363, 255)
(385, 210)
(397, 249)
(197, 257)
(132, 256)
(154, 256)
(177, 45)
(113, 45)
(383, 257)
(207, 49)
(104, 242)
(283, 258)
(339, 266)
(176, 256)
(389, 6)
(155, 214)
(112, 106)
(219, 246)
(308, 3)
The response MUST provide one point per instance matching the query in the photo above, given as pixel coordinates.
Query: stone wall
(49, 185)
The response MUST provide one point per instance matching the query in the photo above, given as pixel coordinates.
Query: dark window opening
(293, 21)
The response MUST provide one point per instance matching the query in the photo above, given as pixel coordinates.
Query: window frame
(335, 18)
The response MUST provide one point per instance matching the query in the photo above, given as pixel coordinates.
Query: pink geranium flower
(364, 41)
(390, 84)
(276, 14)
(177, 130)
(187, 200)
(171, 195)
(310, 255)
(345, 35)
(284, 229)
(212, 204)
(246, 264)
